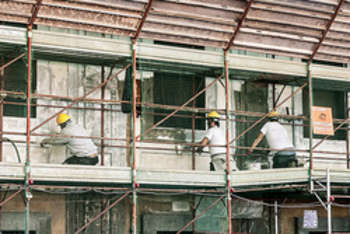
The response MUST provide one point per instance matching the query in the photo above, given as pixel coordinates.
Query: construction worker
(278, 140)
(215, 136)
(82, 150)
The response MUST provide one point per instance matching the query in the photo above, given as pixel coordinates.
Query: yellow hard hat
(213, 115)
(273, 114)
(62, 118)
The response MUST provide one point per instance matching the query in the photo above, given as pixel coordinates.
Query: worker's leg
(284, 159)
(219, 163)
(71, 160)
(74, 160)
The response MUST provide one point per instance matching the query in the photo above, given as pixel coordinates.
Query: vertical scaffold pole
(329, 205)
(228, 170)
(310, 120)
(103, 89)
(134, 182)
(28, 107)
(2, 87)
(276, 216)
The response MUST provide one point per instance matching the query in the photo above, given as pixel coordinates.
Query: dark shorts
(284, 159)
(81, 160)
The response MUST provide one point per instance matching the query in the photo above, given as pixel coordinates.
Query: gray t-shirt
(77, 146)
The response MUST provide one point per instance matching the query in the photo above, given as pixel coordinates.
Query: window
(175, 89)
(16, 80)
(332, 99)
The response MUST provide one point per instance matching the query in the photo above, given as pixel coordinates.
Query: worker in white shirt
(278, 140)
(82, 150)
(216, 140)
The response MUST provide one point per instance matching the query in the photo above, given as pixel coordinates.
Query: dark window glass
(175, 89)
(16, 81)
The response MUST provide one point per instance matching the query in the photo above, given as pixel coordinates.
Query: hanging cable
(14, 146)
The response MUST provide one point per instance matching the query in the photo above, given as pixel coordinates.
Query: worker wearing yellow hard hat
(215, 139)
(277, 138)
(82, 150)
(62, 118)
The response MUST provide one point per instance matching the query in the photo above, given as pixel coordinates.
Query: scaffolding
(226, 192)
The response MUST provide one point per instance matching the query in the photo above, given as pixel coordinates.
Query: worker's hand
(44, 143)
(250, 151)
(199, 149)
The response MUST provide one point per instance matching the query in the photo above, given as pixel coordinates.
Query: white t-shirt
(276, 135)
(216, 137)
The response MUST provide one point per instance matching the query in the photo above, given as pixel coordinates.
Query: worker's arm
(54, 141)
(202, 144)
(256, 142)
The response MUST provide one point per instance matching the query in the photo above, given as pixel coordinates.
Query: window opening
(175, 89)
(16, 80)
(326, 98)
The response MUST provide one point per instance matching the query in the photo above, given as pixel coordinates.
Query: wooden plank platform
(84, 47)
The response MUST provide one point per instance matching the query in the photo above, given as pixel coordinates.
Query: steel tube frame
(134, 115)
(228, 156)
(27, 183)
(103, 88)
(202, 213)
(347, 132)
(10, 197)
(80, 98)
(324, 34)
(28, 106)
(310, 85)
(244, 16)
(134, 156)
(3, 67)
(329, 205)
(2, 86)
(310, 121)
(336, 129)
(102, 212)
(180, 107)
(145, 14)
(276, 216)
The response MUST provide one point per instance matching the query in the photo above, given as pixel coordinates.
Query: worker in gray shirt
(82, 150)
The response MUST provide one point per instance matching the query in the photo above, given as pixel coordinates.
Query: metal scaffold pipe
(228, 156)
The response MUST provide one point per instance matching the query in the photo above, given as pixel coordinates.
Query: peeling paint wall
(71, 81)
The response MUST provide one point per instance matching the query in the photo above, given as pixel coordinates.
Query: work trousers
(283, 159)
(218, 163)
(81, 160)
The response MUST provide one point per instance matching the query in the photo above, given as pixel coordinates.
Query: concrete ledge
(50, 174)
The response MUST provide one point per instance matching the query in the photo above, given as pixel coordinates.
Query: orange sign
(322, 120)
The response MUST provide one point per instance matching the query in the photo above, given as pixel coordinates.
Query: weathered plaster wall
(71, 80)
(287, 217)
(52, 206)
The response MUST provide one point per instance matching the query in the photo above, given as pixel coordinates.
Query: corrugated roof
(282, 27)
